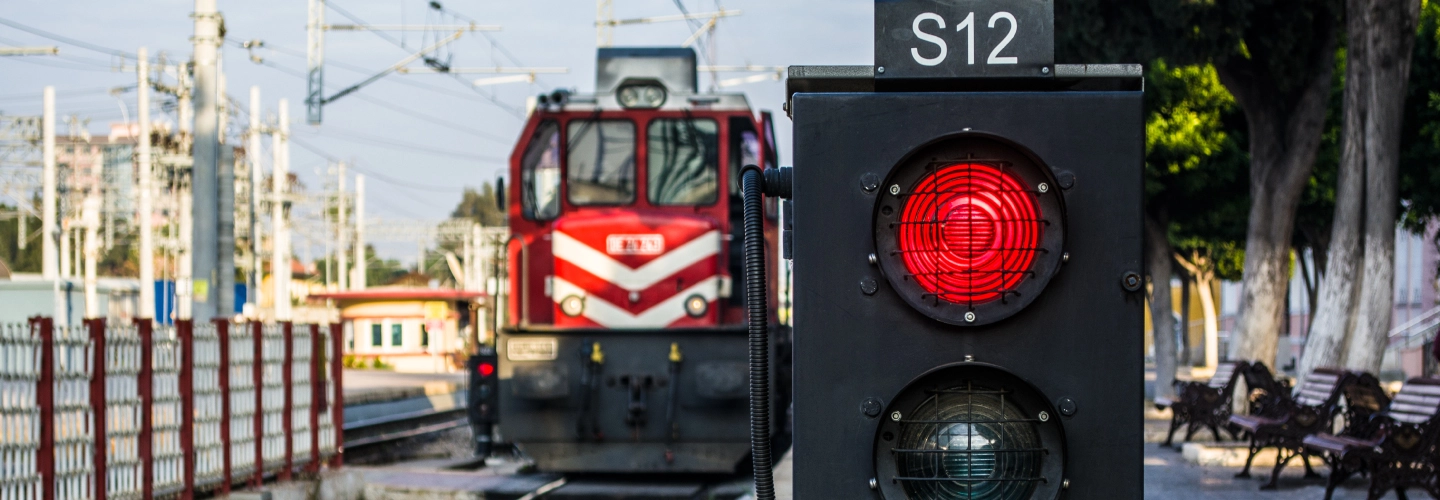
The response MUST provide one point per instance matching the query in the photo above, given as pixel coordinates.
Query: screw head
(1068, 407)
(894, 189)
(868, 286)
(880, 70)
(872, 259)
(869, 182)
(1065, 257)
(874, 484)
(870, 407)
(1044, 416)
(1045, 70)
(1044, 187)
(895, 416)
(1131, 281)
(969, 358)
(1065, 483)
(969, 316)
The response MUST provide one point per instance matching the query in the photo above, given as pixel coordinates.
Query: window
(397, 335)
(424, 336)
(744, 150)
(683, 161)
(376, 339)
(601, 162)
(540, 174)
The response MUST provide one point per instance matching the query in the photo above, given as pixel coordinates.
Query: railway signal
(483, 397)
(966, 252)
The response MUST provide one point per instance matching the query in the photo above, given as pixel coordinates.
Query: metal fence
(139, 411)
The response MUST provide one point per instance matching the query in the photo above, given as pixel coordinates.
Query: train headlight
(641, 96)
(572, 305)
(696, 306)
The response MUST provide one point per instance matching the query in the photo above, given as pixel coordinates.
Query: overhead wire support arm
(498, 70)
(393, 68)
(472, 27)
(30, 51)
(665, 19)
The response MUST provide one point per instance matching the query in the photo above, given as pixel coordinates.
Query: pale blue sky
(538, 33)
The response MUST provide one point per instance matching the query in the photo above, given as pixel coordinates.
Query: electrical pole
(359, 282)
(280, 241)
(342, 251)
(50, 262)
(252, 153)
(315, 61)
(90, 219)
(146, 215)
(204, 182)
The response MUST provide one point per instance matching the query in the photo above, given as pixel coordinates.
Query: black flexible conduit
(757, 182)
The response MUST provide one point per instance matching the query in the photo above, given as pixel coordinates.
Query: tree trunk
(1162, 320)
(1204, 281)
(1390, 33)
(1335, 312)
(1187, 355)
(1284, 140)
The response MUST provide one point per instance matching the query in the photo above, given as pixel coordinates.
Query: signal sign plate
(546, 349)
(964, 38)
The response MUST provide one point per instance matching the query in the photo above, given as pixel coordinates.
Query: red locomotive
(623, 345)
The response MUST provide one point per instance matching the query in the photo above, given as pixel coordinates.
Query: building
(416, 330)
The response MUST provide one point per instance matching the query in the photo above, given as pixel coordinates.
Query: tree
(480, 206)
(1353, 320)
(1194, 175)
(1276, 58)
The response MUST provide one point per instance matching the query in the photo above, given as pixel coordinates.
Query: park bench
(1400, 451)
(1290, 418)
(1202, 404)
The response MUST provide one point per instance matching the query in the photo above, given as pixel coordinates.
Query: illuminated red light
(969, 232)
(486, 369)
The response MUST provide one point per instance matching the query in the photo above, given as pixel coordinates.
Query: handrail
(1422, 327)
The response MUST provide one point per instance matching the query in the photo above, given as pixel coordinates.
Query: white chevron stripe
(602, 266)
(658, 316)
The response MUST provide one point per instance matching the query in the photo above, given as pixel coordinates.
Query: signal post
(967, 264)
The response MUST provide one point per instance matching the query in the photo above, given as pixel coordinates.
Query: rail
(121, 411)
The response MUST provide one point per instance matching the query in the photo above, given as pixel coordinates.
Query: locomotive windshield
(601, 162)
(682, 161)
(540, 174)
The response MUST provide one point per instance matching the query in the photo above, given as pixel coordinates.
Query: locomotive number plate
(635, 244)
(531, 349)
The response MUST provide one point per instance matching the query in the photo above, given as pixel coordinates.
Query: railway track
(389, 430)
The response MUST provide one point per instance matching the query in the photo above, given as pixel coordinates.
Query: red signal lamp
(970, 229)
(485, 369)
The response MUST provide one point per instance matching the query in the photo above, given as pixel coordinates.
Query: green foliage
(1420, 138)
(1195, 160)
(480, 206)
(20, 261)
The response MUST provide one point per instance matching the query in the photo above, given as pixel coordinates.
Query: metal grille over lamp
(969, 432)
(971, 229)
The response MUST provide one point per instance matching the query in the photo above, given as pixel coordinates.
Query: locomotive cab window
(682, 161)
(601, 157)
(540, 174)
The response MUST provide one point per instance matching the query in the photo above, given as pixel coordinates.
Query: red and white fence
(133, 411)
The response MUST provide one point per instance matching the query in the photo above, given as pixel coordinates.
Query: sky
(420, 139)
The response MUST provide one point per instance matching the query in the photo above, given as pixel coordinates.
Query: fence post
(44, 328)
(185, 331)
(145, 388)
(285, 417)
(256, 371)
(222, 332)
(317, 395)
(337, 407)
(96, 328)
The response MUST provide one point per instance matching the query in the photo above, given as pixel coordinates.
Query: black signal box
(967, 291)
